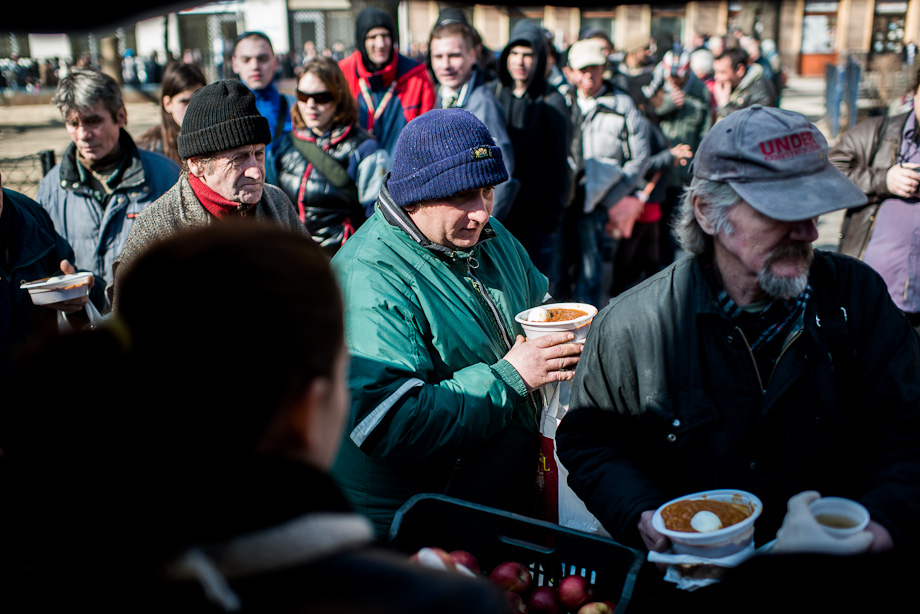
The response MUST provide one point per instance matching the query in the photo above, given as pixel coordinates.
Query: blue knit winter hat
(443, 152)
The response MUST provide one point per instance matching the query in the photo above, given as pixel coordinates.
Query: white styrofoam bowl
(721, 542)
(579, 326)
(59, 288)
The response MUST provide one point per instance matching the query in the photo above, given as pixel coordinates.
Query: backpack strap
(327, 166)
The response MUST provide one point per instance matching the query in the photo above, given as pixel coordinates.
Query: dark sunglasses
(319, 97)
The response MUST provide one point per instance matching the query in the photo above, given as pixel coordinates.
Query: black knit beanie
(441, 153)
(222, 116)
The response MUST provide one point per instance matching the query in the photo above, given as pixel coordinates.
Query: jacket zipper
(862, 252)
(753, 360)
(485, 296)
(792, 339)
(501, 327)
(782, 353)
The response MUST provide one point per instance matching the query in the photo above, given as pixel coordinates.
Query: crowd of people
(332, 282)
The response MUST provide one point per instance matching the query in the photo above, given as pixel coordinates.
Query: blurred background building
(808, 34)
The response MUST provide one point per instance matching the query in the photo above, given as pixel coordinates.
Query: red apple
(512, 576)
(518, 606)
(435, 558)
(574, 592)
(543, 600)
(598, 607)
(462, 557)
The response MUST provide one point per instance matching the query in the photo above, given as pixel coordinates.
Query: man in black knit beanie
(222, 146)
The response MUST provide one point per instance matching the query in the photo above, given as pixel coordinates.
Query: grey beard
(782, 287)
(786, 287)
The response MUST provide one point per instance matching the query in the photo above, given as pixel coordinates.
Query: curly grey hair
(83, 88)
(687, 230)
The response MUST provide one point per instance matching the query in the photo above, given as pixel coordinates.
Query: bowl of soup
(557, 318)
(710, 524)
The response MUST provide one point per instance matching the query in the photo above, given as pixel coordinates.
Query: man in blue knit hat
(442, 381)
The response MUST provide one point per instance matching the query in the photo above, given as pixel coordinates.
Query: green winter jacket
(435, 408)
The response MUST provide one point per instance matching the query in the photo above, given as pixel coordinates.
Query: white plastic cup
(838, 516)
(579, 326)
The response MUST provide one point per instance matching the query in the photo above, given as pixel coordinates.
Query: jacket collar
(332, 137)
(707, 304)
(753, 72)
(466, 90)
(131, 172)
(382, 77)
(269, 92)
(397, 217)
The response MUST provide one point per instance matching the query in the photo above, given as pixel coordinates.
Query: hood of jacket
(526, 33)
(369, 19)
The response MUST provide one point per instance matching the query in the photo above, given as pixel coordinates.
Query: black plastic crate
(550, 551)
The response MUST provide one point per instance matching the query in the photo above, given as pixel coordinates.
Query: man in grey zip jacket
(442, 382)
(756, 363)
(103, 181)
(610, 154)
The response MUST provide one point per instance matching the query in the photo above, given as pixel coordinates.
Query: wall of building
(200, 27)
(707, 18)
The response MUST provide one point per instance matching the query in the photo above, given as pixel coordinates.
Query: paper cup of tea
(839, 516)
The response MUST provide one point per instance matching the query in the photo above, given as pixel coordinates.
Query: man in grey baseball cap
(754, 363)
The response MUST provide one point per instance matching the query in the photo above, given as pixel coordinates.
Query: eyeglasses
(318, 97)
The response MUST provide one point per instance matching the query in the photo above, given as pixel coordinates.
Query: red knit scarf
(214, 203)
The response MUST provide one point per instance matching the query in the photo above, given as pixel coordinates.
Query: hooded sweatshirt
(540, 128)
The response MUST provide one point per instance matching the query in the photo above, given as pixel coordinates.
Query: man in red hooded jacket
(390, 88)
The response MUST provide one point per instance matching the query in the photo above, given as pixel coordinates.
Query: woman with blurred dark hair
(329, 166)
(180, 81)
(201, 483)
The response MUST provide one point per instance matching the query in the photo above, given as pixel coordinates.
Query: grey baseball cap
(776, 160)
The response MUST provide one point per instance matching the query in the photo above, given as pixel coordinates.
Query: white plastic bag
(567, 509)
(95, 318)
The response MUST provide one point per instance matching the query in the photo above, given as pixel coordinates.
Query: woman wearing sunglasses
(329, 166)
